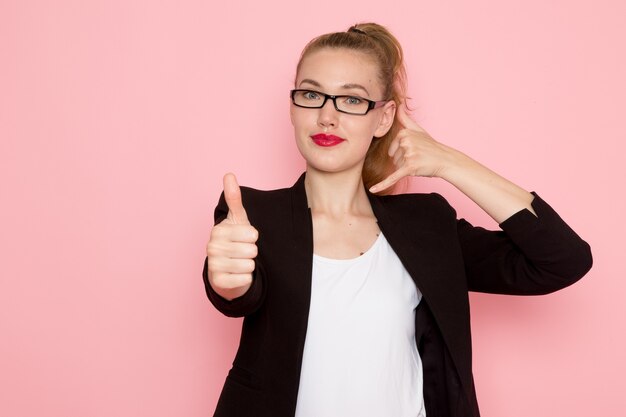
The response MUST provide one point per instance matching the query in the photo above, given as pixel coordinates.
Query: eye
(310, 95)
(353, 100)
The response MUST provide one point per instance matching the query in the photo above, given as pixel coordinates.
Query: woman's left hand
(415, 153)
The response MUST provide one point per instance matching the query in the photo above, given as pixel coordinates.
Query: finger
(396, 143)
(389, 181)
(237, 250)
(231, 266)
(405, 119)
(232, 194)
(394, 146)
(230, 232)
(398, 158)
(240, 250)
(228, 281)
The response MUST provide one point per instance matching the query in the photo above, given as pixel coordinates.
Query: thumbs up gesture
(232, 246)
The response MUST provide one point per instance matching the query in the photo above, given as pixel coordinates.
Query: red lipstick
(322, 139)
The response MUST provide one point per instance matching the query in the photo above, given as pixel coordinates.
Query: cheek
(292, 115)
(302, 120)
(365, 130)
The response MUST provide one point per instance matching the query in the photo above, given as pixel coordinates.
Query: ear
(386, 119)
(291, 106)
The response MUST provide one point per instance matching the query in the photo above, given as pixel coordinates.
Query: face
(329, 140)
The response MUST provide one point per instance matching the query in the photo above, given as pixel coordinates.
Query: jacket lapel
(402, 243)
(435, 273)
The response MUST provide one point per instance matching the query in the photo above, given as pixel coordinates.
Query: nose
(327, 116)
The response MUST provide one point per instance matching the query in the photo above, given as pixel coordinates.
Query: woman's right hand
(232, 246)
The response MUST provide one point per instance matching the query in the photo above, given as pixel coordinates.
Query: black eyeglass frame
(371, 104)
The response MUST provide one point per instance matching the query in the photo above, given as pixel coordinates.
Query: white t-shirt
(360, 357)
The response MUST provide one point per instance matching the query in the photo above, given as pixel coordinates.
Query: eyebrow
(349, 86)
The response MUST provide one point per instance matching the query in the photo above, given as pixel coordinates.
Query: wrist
(456, 165)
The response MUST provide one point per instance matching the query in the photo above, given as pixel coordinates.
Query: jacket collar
(302, 224)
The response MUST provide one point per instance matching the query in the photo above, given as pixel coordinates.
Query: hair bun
(356, 30)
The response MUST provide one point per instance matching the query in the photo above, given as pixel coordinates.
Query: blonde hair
(379, 44)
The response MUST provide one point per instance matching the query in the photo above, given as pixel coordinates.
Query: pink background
(119, 118)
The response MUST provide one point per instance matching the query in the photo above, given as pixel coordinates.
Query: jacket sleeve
(247, 303)
(532, 255)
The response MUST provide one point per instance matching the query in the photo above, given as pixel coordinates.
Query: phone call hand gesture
(415, 153)
(232, 246)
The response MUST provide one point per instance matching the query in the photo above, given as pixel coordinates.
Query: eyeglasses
(311, 99)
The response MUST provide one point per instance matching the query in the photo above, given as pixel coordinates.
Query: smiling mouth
(325, 140)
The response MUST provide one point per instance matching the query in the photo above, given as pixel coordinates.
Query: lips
(322, 139)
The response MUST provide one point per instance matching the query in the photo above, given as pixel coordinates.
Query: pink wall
(118, 119)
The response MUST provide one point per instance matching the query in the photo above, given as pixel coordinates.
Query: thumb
(406, 120)
(389, 181)
(232, 194)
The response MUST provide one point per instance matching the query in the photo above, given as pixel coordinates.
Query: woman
(356, 302)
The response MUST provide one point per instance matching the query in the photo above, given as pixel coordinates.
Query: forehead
(338, 67)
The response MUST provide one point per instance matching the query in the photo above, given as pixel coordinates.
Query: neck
(336, 194)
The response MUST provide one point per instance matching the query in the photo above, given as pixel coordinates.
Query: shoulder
(266, 208)
(262, 198)
(418, 203)
(416, 211)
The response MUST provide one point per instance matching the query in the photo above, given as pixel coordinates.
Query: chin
(333, 167)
